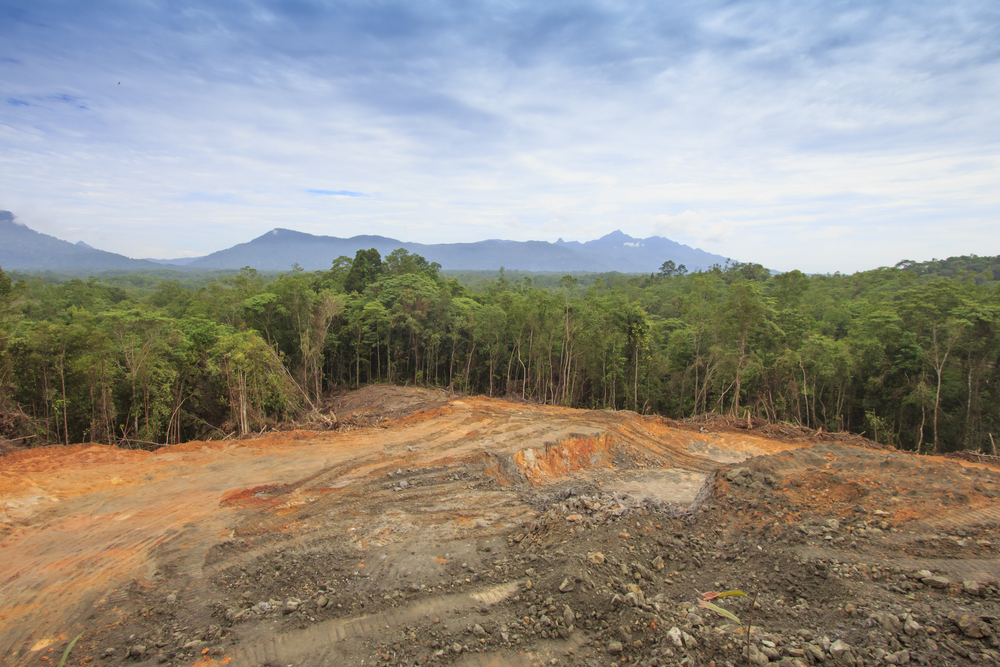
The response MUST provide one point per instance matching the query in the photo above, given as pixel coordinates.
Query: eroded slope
(475, 531)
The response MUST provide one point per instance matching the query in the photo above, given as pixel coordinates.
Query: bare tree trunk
(635, 386)
(920, 433)
(937, 404)
(968, 405)
(65, 405)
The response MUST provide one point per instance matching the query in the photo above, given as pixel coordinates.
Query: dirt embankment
(471, 531)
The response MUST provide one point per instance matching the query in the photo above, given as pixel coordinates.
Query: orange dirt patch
(566, 456)
(81, 525)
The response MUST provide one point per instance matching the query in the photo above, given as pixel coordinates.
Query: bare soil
(431, 529)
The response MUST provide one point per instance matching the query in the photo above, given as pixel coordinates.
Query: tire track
(317, 644)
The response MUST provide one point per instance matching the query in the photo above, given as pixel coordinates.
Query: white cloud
(772, 133)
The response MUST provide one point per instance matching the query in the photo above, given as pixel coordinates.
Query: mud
(471, 531)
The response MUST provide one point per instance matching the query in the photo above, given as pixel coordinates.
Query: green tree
(365, 270)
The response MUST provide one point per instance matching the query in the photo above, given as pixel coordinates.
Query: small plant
(705, 602)
(69, 648)
(721, 611)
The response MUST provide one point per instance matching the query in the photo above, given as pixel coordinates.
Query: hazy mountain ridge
(278, 249)
(24, 249)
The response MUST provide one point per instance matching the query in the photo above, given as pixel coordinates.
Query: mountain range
(24, 249)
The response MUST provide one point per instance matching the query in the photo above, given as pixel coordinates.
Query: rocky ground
(597, 548)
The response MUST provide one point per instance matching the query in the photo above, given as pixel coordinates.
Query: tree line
(906, 355)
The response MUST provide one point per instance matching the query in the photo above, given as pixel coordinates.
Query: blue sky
(820, 136)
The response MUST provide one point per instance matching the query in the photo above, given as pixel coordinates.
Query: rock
(321, 601)
(888, 621)
(137, 651)
(574, 517)
(771, 653)
(109, 651)
(192, 645)
(737, 474)
(689, 641)
(657, 563)
(615, 647)
(291, 604)
(597, 558)
(755, 657)
(973, 626)
(161, 658)
(842, 652)
(171, 599)
(639, 596)
(792, 662)
(898, 658)
(832, 524)
(675, 636)
(971, 587)
(923, 574)
(403, 484)
(566, 586)
(694, 620)
(569, 618)
(911, 627)
(456, 647)
(937, 582)
(815, 653)
(478, 630)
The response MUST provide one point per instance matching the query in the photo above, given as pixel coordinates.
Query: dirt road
(474, 531)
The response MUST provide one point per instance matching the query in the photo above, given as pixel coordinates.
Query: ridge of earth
(439, 530)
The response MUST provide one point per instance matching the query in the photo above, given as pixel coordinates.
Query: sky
(820, 136)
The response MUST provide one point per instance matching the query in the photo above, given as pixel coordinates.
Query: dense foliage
(907, 355)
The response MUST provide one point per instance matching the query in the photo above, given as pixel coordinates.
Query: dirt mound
(7, 446)
(387, 402)
(782, 432)
(472, 531)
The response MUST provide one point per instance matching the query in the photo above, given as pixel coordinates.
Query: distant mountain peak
(23, 248)
(85, 245)
(6, 216)
(618, 236)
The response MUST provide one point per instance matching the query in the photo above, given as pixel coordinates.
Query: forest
(906, 355)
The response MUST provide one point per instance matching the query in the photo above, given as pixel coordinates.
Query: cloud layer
(834, 136)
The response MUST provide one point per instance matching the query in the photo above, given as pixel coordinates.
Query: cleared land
(472, 531)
